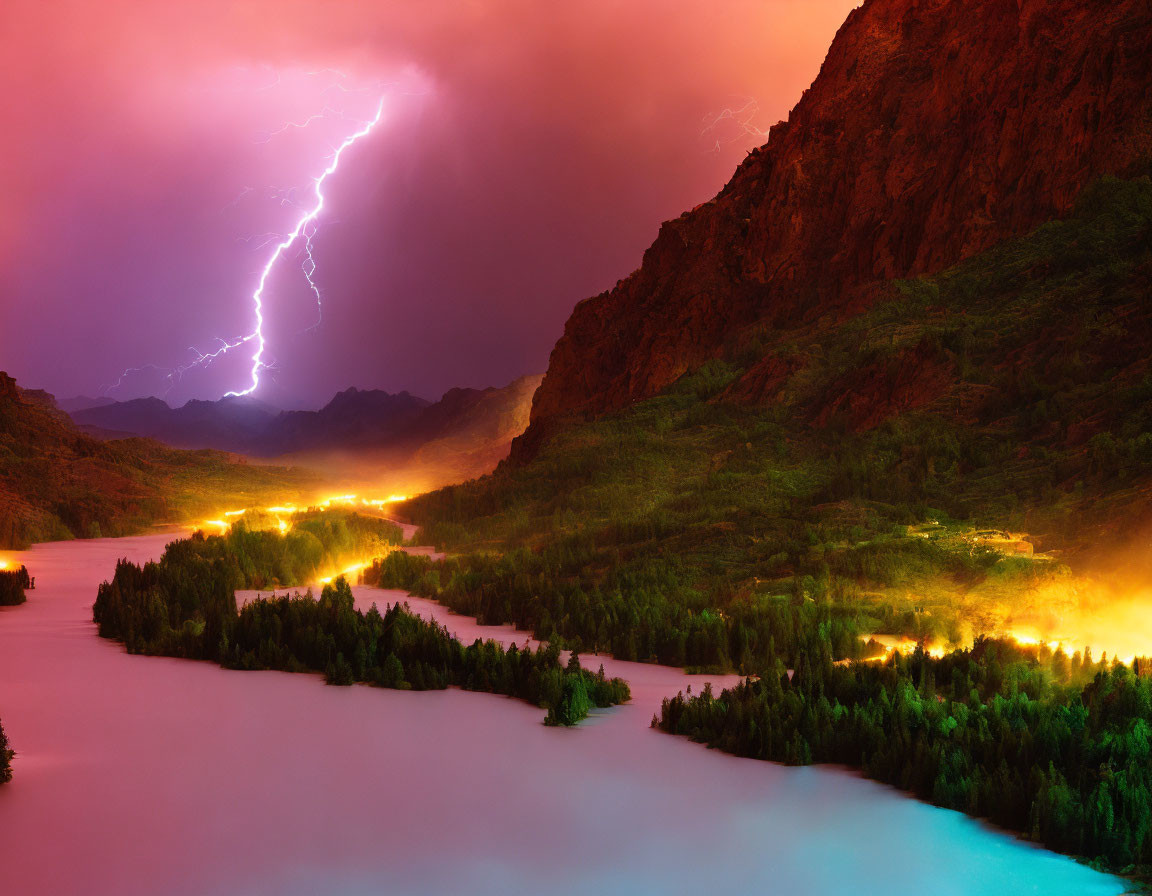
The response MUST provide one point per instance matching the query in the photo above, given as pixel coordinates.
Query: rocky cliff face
(9, 391)
(935, 129)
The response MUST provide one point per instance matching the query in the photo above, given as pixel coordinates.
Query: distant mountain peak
(354, 420)
(82, 403)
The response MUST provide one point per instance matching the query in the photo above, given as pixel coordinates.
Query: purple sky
(528, 153)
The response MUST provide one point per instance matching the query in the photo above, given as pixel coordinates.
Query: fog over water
(145, 775)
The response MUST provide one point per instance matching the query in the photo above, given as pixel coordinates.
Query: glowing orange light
(1027, 638)
(337, 499)
(380, 502)
(355, 567)
(903, 646)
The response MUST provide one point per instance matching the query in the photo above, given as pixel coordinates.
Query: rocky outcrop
(935, 129)
(9, 391)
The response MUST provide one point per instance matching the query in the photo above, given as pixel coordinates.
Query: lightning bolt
(304, 229)
(304, 223)
(173, 375)
(132, 371)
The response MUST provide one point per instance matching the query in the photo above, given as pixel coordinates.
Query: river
(145, 775)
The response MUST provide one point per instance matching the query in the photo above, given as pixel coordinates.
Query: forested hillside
(57, 483)
(679, 528)
(1058, 748)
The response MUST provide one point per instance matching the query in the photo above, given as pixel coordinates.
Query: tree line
(185, 606)
(6, 754)
(647, 611)
(13, 583)
(1057, 748)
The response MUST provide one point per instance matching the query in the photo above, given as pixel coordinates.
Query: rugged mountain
(354, 418)
(472, 428)
(891, 390)
(914, 329)
(57, 482)
(970, 455)
(464, 434)
(230, 424)
(245, 425)
(935, 129)
(469, 431)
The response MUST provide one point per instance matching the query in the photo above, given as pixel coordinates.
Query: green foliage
(170, 607)
(581, 691)
(699, 531)
(642, 611)
(1055, 748)
(573, 705)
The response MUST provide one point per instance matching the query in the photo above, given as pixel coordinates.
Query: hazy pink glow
(139, 776)
(530, 152)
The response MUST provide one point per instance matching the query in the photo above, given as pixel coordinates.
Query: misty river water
(145, 775)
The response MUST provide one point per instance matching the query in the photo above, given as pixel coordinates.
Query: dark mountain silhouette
(82, 403)
(353, 419)
(229, 424)
(480, 422)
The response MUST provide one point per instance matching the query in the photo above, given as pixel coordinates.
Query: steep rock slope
(935, 129)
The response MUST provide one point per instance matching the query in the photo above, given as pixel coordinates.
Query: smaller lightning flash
(741, 122)
(326, 112)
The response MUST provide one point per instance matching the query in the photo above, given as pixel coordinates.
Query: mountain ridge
(354, 419)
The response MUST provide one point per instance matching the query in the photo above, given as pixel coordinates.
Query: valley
(289, 785)
(817, 561)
